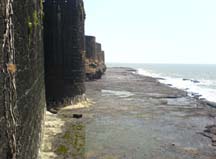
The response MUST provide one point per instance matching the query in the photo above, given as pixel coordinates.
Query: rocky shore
(129, 116)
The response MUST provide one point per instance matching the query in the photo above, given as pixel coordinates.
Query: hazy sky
(154, 31)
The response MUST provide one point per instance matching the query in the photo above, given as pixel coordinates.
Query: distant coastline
(198, 86)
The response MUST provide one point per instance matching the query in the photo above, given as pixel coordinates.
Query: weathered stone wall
(90, 47)
(98, 48)
(64, 50)
(100, 53)
(29, 103)
(3, 138)
(102, 56)
(94, 63)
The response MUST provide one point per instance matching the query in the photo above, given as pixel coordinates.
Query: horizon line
(161, 63)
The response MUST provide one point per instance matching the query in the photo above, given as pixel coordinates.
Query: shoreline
(194, 95)
(131, 116)
(197, 80)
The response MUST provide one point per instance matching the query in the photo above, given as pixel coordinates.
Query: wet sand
(129, 116)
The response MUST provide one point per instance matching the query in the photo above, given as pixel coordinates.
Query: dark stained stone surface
(90, 47)
(3, 141)
(94, 64)
(64, 50)
(29, 80)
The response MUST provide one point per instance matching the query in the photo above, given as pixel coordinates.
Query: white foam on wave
(205, 88)
(147, 73)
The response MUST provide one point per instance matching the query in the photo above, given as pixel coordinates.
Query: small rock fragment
(53, 110)
(77, 116)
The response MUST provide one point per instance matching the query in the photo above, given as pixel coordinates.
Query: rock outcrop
(95, 62)
(64, 51)
(22, 96)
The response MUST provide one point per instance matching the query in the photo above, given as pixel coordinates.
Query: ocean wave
(202, 88)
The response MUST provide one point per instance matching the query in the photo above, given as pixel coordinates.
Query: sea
(197, 79)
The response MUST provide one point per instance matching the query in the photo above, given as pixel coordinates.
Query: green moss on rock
(62, 150)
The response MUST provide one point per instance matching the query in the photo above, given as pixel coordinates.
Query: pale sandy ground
(54, 125)
(130, 117)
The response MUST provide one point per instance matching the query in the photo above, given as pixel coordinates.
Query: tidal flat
(129, 116)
